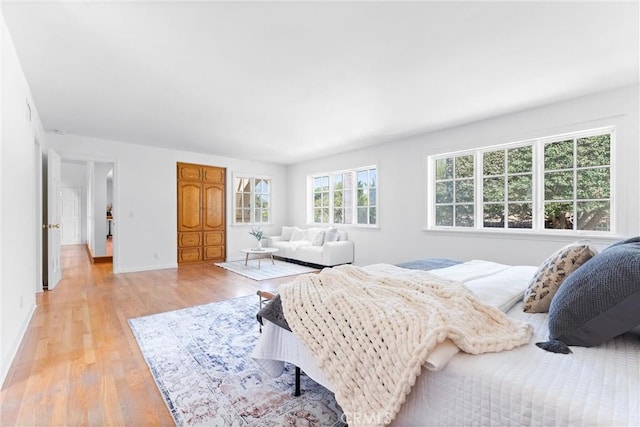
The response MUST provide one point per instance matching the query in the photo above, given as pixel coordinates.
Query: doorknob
(50, 225)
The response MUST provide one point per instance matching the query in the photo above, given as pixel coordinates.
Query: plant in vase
(259, 235)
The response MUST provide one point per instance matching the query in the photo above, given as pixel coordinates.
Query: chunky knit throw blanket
(370, 334)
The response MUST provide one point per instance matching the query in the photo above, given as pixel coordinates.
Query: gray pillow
(598, 301)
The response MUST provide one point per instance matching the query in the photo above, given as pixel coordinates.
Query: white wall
(145, 205)
(402, 182)
(74, 174)
(18, 265)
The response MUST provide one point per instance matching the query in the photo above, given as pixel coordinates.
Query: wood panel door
(201, 213)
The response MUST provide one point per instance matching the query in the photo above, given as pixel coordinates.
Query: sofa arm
(273, 239)
(335, 253)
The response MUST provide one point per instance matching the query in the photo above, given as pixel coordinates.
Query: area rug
(266, 270)
(200, 360)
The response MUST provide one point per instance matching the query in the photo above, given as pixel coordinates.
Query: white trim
(15, 346)
(537, 172)
(252, 177)
(148, 268)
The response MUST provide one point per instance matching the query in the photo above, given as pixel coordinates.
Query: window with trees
(252, 200)
(345, 197)
(561, 183)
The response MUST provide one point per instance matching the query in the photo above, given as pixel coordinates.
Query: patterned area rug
(200, 360)
(266, 270)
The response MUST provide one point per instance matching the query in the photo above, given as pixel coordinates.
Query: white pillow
(311, 233)
(331, 235)
(297, 234)
(286, 233)
(319, 239)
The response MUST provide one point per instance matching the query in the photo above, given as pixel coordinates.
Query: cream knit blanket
(371, 333)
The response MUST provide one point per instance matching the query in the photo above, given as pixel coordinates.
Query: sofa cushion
(553, 271)
(600, 300)
(286, 233)
(297, 234)
(331, 234)
(319, 239)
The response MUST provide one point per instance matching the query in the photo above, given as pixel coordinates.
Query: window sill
(345, 226)
(568, 237)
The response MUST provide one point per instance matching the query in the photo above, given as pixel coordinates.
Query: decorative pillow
(599, 301)
(331, 234)
(319, 239)
(547, 280)
(297, 234)
(286, 233)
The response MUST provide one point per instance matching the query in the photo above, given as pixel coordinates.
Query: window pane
(372, 197)
(317, 184)
(464, 167)
(325, 214)
(520, 188)
(337, 199)
(317, 215)
(325, 199)
(558, 185)
(362, 215)
(325, 183)
(594, 216)
(520, 159)
(363, 198)
(238, 215)
(317, 200)
(338, 217)
(362, 178)
(373, 177)
(246, 215)
(520, 215)
(372, 215)
(594, 151)
(558, 216)
(337, 182)
(493, 163)
(258, 215)
(493, 190)
(464, 216)
(444, 215)
(493, 216)
(348, 215)
(593, 183)
(444, 168)
(444, 192)
(265, 215)
(464, 191)
(558, 155)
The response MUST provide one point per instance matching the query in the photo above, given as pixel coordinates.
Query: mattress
(524, 386)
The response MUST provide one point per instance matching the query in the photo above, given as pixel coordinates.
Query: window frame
(354, 197)
(537, 188)
(252, 208)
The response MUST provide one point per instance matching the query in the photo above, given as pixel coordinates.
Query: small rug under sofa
(267, 270)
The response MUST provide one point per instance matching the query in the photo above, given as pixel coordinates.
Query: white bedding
(524, 386)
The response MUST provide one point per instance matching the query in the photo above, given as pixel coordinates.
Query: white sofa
(320, 246)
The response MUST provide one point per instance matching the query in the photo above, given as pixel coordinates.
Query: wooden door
(201, 213)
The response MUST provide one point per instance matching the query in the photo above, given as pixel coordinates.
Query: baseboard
(146, 268)
(97, 259)
(6, 364)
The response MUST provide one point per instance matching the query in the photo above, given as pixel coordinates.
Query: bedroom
(567, 105)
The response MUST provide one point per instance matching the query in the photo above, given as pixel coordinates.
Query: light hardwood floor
(79, 363)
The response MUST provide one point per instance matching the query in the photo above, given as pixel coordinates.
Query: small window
(345, 197)
(252, 200)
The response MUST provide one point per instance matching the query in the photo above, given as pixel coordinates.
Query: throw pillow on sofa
(297, 234)
(319, 239)
(286, 233)
(331, 234)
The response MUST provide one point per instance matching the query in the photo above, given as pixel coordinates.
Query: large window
(252, 200)
(561, 183)
(345, 197)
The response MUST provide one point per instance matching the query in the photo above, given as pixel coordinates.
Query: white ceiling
(290, 81)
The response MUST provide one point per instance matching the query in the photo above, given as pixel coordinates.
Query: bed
(523, 386)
